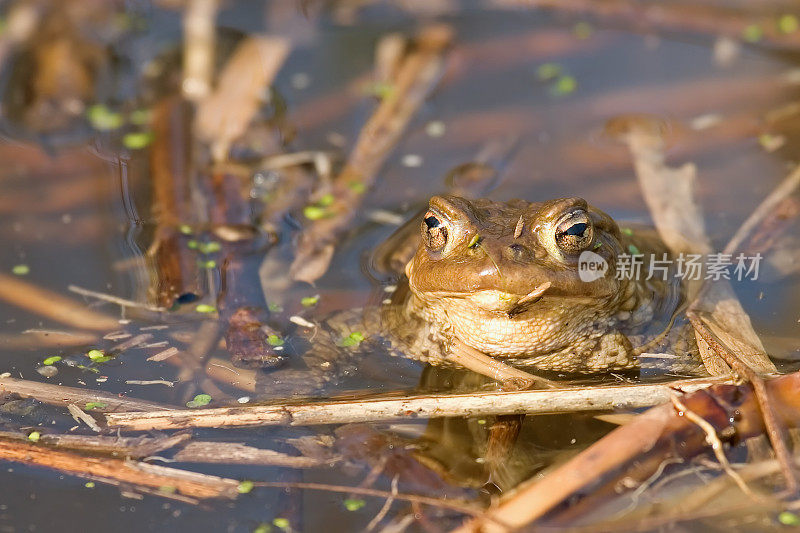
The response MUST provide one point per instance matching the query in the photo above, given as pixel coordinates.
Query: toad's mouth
(495, 300)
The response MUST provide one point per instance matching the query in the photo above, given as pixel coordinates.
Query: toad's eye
(575, 232)
(434, 232)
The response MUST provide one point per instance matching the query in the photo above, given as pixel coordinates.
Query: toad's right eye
(434, 231)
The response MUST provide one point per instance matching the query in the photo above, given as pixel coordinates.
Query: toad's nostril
(518, 252)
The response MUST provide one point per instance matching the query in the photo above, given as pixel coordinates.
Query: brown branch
(61, 395)
(415, 78)
(425, 406)
(175, 265)
(775, 429)
(235, 453)
(105, 469)
(224, 115)
(363, 491)
(635, 451)
(54, 306)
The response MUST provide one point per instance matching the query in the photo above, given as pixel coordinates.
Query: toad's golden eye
(574, 232)
(434, 232)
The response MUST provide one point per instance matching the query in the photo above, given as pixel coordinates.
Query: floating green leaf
(89, 484)
(582, 30)
(94, 405)
(137, 140)
(245, 486)
(789, 519)
(192, 244)
(140, 117)
(634, 250)
(379, 89)
(788, 23)
(354, 339)
(103, 119)
(20, 270)
(263, 528)
(209, 247)
(752, 33)
(564, 85)
(95, 354)
(275, 307)
(34, 436)
(53, 359)
(185, 229)
(357, 187)
(353, 504)
(310, 301)
(315, 212)
(548, 71)
(626, 231)
(199, 401)
(274, 340)
(208, 264)
(282, 523)
(205, 308)
(326, 200)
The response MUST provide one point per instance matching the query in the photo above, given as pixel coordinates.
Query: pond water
(75, 211)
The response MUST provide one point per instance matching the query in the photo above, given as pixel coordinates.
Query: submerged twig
(61, 395)
(167, 480)
(51, 305)
(235, 453)
(122, 302)
(364, 491)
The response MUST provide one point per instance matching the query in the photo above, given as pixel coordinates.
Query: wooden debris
(61, 395)
(235, 453)
(635, 451)
(248, 341)
(166, 480)
(415, 78)
(54, 306)
(126, 447)
(198, 48)
(81, 416)
(176, 273)
(669, 194)
(43, 338)
(223, 371)
(165, 354)
(582, 398)
(122, 302)
(224, 115)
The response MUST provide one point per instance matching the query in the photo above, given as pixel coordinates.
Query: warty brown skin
(503, 278)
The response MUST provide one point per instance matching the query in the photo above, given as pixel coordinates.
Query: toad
(532, 283)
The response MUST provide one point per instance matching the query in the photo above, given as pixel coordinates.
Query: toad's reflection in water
(495, 453)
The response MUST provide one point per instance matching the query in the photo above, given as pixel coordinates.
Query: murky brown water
(66, 208)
